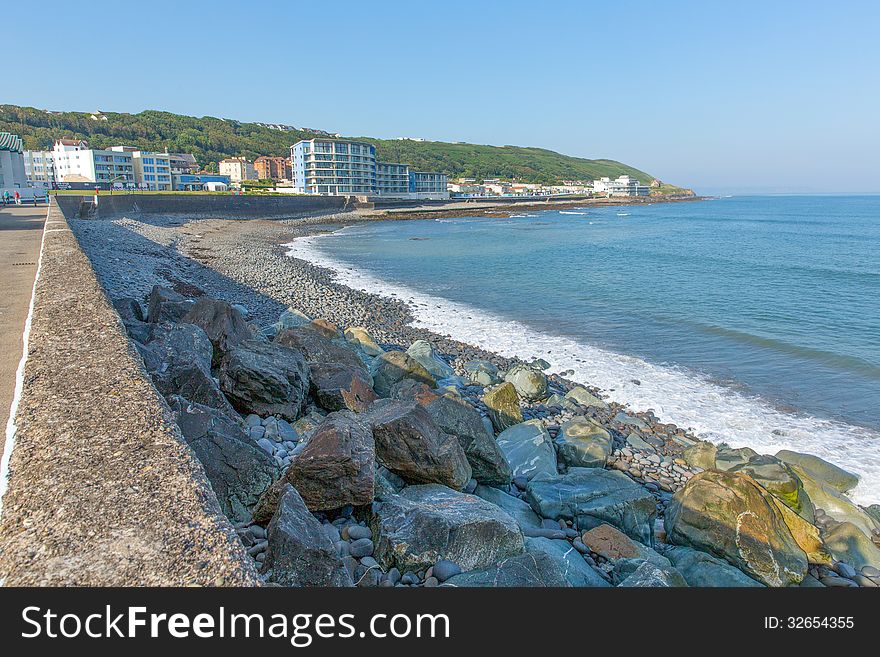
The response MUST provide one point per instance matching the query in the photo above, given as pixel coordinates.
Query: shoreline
(245, 262)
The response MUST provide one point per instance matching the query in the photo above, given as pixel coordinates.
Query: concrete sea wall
(102, 488)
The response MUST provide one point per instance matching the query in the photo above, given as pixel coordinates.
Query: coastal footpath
(311, 435)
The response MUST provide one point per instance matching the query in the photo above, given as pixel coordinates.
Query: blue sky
(720, 96)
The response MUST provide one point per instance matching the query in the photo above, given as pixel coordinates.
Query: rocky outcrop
(299, 551)
(424, 524)
(238, 470)
(592, 496)
(409, 444)
(775, 477)
(833, 502)
(731, 516)
(265, 378)
(849, 544)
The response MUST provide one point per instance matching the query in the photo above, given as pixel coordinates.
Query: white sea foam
(674, 394)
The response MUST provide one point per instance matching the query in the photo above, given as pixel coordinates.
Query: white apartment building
(152, 171)
(238, 169)
(39, 167)
(75, 162)
(620, 186)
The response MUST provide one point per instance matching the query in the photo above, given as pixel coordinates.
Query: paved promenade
(21, 230)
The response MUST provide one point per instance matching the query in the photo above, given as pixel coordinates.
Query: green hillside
(211, 139)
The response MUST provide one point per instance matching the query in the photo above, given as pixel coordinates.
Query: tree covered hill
(211, 139)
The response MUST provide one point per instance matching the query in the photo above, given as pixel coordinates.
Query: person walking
(17, 198)
(5, 197)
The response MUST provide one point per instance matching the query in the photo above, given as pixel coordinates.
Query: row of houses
(73, 164)
(621, 186)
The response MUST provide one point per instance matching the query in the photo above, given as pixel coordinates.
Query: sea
(751, 320)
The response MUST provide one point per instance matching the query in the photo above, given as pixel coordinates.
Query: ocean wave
(686, 398)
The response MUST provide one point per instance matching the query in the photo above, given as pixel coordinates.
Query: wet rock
(299, 551)
(592, 496)
(530, 383)
(427, 523)
(528, 449)
(583, 443)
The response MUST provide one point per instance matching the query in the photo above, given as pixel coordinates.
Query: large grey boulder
(410, 444)
(833, 502)
(166, 305)
(502, 404)
(528, 449)
(704, 570)
(731, 516)
(129, 309)
(530, 382)
(224, 325)
(583, 397)
(482, 372)
(570, 562)
(265, 378)
(393, 367)
(651, 575)
(424, 524)
(178, 358)
(239, 471)
(300, 553)
(455, 416)
(727, 458)
(701, 455)
(821, 470)
(424, 353)
(336, 466)
(583, 443)
(533, 569)
(592, 496)
(849, 544)
(513, 506)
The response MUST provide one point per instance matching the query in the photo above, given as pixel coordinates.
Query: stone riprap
(405, 458)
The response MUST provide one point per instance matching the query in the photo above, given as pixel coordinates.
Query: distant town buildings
(620, 186)
(39, 167)
(75, 162)
(342, 166)
(152, 171)
(273, 168)
(238, 169)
